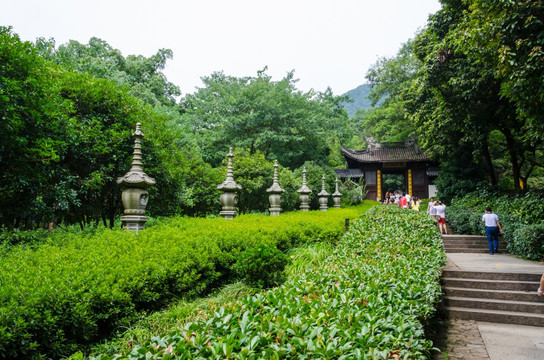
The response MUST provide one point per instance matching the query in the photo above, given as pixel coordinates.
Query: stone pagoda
(336, 196)
(275, 193)
(304, 192)
(135, 182)
(323, 196)
(229, 197)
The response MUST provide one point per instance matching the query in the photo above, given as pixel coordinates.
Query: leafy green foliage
(142, 75)
(261, 266)
(259, 114)
(389, 79)
(367, 300)
(520, 217)
(529, 241)
(458, 99)
(73, 290)
(66, 138)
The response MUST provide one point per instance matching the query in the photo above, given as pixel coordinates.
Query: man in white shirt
(492, 228)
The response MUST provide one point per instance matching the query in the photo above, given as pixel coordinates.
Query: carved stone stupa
(337, 196)
(304, 192)
(323, 196)
(135, 182)
(275, 193)
(229, 197)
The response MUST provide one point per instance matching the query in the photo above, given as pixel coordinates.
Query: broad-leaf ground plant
(368, 300)
(68, 293)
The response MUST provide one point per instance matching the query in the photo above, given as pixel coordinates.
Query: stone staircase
(493, 297)
(499, 297)
(469, 244)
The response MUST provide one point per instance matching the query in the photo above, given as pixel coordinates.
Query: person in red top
(403, 201)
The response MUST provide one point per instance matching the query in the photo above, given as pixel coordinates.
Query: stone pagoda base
(133, 222)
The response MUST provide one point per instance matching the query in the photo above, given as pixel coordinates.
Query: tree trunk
(111, 209)
(513, 152)
(489, 161)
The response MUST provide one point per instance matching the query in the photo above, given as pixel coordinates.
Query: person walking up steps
(441, 215)
(541, 288)
(492, 228)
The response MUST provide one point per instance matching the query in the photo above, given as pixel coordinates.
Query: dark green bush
(262, 266)
(521, 218)
(529, 240)
(68, 293)
(464, 221)
(368, 300)
(16, 236)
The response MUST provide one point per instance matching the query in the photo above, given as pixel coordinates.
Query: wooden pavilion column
(410, 183)
(379, 184)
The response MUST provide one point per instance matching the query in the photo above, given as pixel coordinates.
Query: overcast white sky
(327, 42)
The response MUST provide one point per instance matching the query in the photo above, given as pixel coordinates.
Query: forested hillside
(360, 98)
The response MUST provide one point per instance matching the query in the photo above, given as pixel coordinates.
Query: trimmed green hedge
(60, 296)
(521, 218)
(369, 299)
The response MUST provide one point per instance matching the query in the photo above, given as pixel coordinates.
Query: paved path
(469, 339)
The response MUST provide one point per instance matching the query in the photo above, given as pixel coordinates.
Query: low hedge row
(521, 218)
(368, 300)
(60, 296)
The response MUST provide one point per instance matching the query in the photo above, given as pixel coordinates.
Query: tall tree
(259, 114)
(507, 38)
(143, 75)
(456, 98)
(390, 78)
(65, 138)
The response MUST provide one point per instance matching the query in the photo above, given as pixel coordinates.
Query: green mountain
(360, 99)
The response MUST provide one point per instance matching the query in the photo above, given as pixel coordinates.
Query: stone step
(464, 237)
(490, 285)
(472, 246)
(470, 242)
(505, 317)
(488, 275)
(472, 251)
(496, 304)
(511, 295)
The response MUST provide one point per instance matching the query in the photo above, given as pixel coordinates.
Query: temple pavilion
(378, 159)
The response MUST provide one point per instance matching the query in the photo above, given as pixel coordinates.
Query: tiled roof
(349, 173)
(386, 154)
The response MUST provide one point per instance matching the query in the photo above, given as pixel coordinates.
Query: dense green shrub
(528, 240)
(526, 208)
(369, 299)
(521, 218)
(68, 293)
(465, 221)
(261, 266)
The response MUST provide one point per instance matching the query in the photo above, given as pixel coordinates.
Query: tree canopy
(469, 86)
(259, 114)
(65, 138)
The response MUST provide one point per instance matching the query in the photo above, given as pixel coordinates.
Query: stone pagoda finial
(229, 197)
(336, 196)
(323, 196)
(135, 182)
(275, 193)
(304, 192)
